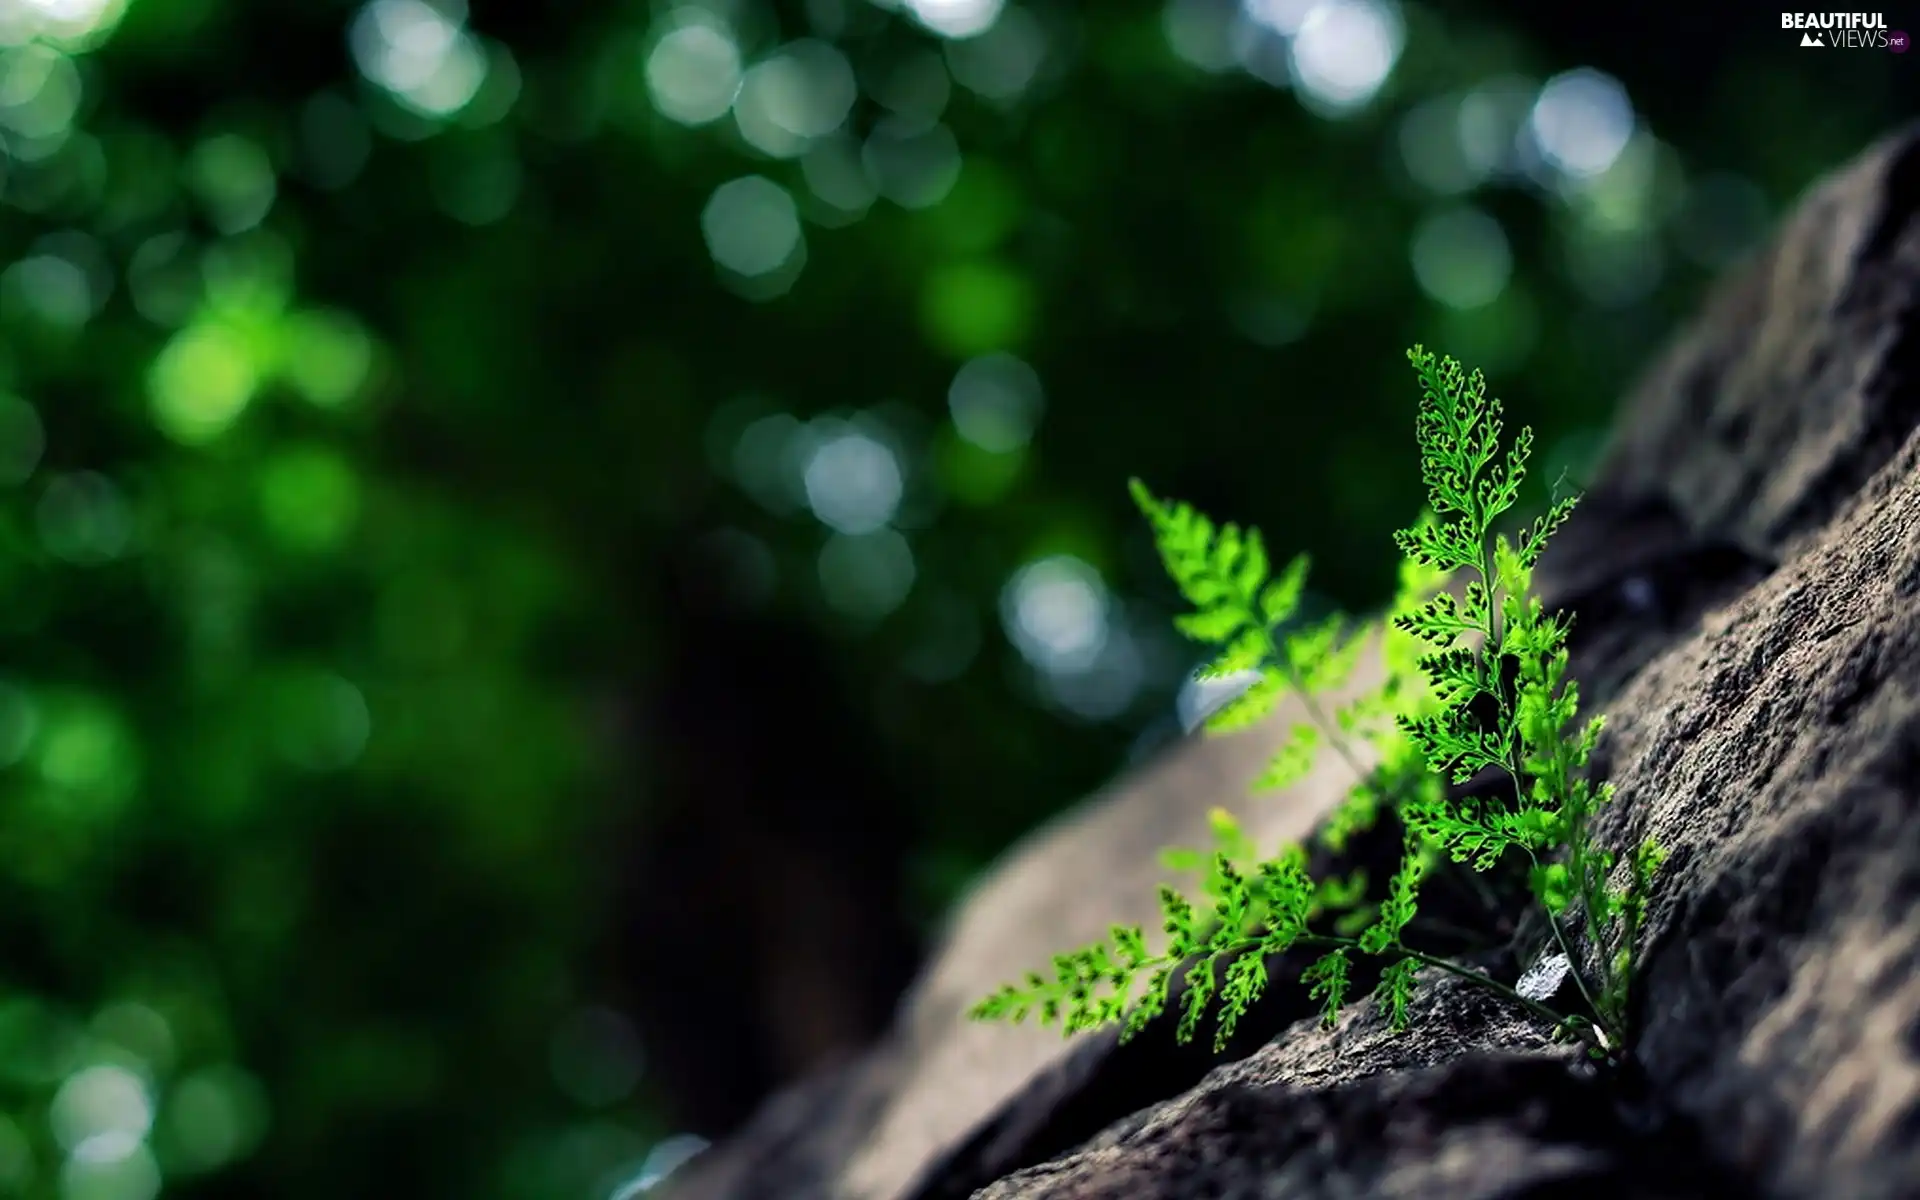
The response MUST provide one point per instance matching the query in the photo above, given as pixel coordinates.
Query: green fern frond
(1242, 652)
(1401, 903)
(1534, 540)
(1449, 707)
(1330, 980)
(1456, 745)
(1291, 762)
(1250, 707)
(1194, 1001)
(1440, 620)
(1152, 1003)
(1246, 981)
(1281, 598)
(1395, 991)
(1220, 570)
(1456, 676)
(1321, 655)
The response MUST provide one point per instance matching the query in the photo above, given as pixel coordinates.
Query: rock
(1475, 1103)
(1746, 574)
(871, 1131)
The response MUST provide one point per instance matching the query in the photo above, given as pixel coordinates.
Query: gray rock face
(1746, 574)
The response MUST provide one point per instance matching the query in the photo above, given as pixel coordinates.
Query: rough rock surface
(1746, 574)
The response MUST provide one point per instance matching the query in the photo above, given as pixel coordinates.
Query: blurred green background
(542, 546)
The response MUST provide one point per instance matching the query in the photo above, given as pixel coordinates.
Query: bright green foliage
(1328, 978)
(1533, 740)
(1238, 608)
(1475, 682)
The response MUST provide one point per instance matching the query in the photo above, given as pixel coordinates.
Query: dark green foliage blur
(541, 546)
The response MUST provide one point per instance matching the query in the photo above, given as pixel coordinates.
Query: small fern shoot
(1447, 657)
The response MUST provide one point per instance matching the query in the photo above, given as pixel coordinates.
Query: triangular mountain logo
(1811, 39)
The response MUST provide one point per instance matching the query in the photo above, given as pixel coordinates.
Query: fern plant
(1475, 684)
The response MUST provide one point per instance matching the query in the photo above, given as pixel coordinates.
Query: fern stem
(1336, 737)
(1573, 964)
(1492, 651)
(1580, 852)
(1481, 978)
